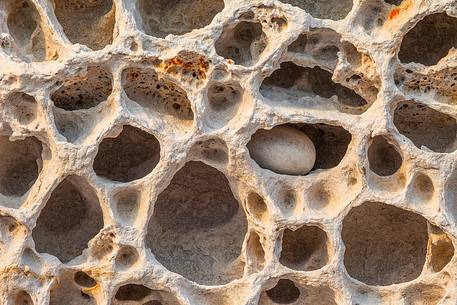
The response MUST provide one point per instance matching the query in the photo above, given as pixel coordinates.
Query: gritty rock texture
(228, 152)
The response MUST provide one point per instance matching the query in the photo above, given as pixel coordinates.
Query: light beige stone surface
(228, 152)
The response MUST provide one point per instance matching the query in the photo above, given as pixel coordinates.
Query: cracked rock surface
(228, 152)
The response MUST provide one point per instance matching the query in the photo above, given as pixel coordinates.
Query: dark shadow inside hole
(429, 40)
(243, 43)
(285, 292)
(84, 280)
(316, 81)
(20, 164)
(374, 229)
(331, 143)
(72, 216)
(304, 248)
(132, 292)
(425, 126)
(131, 155)
(197, 228)
(384, 158)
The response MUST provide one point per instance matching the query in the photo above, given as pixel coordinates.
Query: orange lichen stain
(197, 66)
(394, 13)
(405, 5)
(230, 62)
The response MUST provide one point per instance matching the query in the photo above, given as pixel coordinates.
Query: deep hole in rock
(425, 126)
(72, 216)
(374, 229)
(23, 298)
(304, 249)
(243, 43)
(84, 91)
(285, 292)
(90, 23)
(429, 40)
(299, 44)
(322, 44)
(67, 292)
(393, 2)
(145, 87)
(24, 26)
(22, 106)
(198, 227)
(324, 9)
(331, 143)
(20, 165)
(153, 302)
(296, 81)
(163, 17)
(384, 158)
(84, 280)
(131, 155)
(132, 292)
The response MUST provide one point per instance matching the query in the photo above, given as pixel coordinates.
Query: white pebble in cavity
(283, 150)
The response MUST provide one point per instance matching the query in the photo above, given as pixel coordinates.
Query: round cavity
(127, 257)
(373, 230)
(285, 292)
(131, 155)
(84, 280)
(384, 158)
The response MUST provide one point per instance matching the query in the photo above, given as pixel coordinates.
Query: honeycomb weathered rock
(228, 152)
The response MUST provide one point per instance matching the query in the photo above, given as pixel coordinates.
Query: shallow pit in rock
(242, 43)
(324, 9)
(24, 25)
(90, 23)
(84, 91)
(162, 17)
(155, 93)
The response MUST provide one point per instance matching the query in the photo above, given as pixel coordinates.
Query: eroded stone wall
(228, 152)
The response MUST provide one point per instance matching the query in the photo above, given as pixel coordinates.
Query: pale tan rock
(228, 152)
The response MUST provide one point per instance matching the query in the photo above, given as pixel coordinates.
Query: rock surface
(228, 152)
